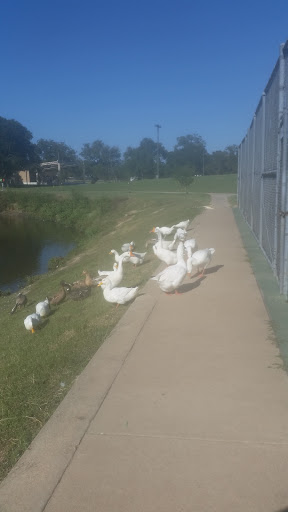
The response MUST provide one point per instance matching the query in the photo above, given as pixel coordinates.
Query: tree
(232, 157)
(185, 176)
(49, 150)
(101, 160)
(222, 162)
(16, 149)
(190, 151)
(142, 161)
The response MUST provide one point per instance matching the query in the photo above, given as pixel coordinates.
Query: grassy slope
(37, 370)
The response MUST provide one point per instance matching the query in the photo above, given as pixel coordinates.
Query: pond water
(26, 246)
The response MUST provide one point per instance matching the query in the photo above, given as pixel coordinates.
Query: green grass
(226, 183)
(37, 370)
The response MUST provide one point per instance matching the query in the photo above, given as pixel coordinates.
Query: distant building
(28, 178)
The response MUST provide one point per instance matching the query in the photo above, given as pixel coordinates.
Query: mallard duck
(83, 283)
(125, 247)
(60, 296)
(171, 277)
(108, 272)
(201, 259)
(88, 281)
(32, 321)
(43, 308)
(21, 301)
(117, 295)
(78, 293)
(184, 224)
(164, 230)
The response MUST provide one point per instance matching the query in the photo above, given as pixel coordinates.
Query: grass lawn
(37, 370)
(202, 184)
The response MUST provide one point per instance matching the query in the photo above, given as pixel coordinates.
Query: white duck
(117, 295)
(189, 251)
(201, 259)
(184, 224)
(43, 308)
(126, 247)
(32, 321)
(136, 258)
(108, 272)
(117, 255)
(190, 246)
(171, 244)
(169, 257)
(164, 230)
(116, 277)
(170, 279)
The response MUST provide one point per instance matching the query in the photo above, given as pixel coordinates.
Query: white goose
(117, 255)
(116, 277)
(43, 308)
(126, 247)
(117, 295)
(108, 272)
(32, 321)
(184, 224)
(171, 244)
(201, 259)
(164, 230)
(169, 257)
(190, 247)
(191, 242)
(136, 258)
(170, 279)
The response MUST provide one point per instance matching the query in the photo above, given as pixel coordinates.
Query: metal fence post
(278, 243)
(253, 174)
(262, 171)
(284, 195)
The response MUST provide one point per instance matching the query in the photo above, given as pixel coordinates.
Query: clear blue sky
(77, 71)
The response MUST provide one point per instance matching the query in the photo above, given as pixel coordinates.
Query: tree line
(99, 161)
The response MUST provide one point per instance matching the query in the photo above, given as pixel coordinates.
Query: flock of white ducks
(180, 255)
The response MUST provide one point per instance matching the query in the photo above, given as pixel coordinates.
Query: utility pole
(158, 127)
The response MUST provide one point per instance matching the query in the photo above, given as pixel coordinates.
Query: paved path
(183, 409)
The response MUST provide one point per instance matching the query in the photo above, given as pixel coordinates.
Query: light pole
(158, 127)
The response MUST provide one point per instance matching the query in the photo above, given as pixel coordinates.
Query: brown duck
(78, 293)
(21, 301)
(60, 296)
(85, 283)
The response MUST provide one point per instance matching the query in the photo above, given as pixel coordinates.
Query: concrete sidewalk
(184, 408)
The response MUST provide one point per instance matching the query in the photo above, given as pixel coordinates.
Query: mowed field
(37, 370)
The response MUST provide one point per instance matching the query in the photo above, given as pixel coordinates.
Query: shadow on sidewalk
(214, 269)
(187, 287)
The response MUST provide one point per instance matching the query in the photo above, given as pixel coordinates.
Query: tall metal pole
(158, 127)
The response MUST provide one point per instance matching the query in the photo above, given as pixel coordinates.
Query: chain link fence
(262, 172)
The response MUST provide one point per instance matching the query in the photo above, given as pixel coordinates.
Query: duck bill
(99, 284)
(152, 230)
